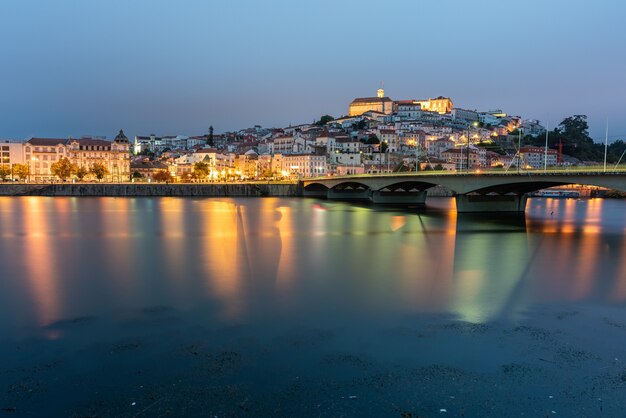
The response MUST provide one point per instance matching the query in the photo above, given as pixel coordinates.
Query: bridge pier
(399, 198)
(363, 194)
(490, 203)
(315, 193)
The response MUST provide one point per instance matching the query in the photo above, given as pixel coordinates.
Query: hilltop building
(380, 104)
(439, 104)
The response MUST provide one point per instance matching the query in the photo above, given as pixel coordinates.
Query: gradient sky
(76, 67)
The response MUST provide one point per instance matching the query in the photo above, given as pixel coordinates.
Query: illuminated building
(536, 157)
(380, 103)
(439, 104)
(114, 155)
(41, 153)
(304, 165)
(11, 153)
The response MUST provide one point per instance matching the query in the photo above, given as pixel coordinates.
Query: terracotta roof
(147, 165)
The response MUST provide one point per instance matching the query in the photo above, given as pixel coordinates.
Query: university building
(380, 104)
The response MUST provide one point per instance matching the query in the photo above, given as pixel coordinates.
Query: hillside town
(378, 135)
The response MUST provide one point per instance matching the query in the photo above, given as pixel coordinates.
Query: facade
(464, 115)
(409, 110)
(41, 153)
(536, 157)
(11, 153)
(459, 157)
(532, 127)
(390, 137)
(439, 104)
(282, 145)
(148, 168)
(304, 165)
(114, 155)
(380, 104)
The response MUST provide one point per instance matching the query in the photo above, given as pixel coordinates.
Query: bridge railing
(574, 170)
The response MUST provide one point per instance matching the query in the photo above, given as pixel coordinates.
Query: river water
(302, 307)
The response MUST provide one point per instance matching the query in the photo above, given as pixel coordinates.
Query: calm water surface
(300, 307)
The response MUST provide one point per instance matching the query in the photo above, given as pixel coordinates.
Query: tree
(201, 170)
(99, 170)
(162, 176)
(21, 171)
(5, 171)
(81, 172)
(324, 120)
(575, 128)
(372, 139)
(63, 168)
(137, 175)
(383, 147)
(210, 142)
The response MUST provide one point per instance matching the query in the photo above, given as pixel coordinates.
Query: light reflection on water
(266, 258)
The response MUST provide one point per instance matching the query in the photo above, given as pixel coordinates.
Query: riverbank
(161, 189)
(153, 189)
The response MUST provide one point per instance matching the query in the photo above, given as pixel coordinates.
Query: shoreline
(153, 189)
(250, 189)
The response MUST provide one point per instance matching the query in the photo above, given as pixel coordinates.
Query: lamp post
(467, 151)
(29, 167)
(519, 150)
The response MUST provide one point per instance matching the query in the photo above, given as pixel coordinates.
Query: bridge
(474, 192)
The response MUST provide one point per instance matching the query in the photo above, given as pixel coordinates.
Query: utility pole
(519, 150)
(606, 143)
(545, 153)
(468, 151)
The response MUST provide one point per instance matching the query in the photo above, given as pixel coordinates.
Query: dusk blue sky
(76, 67)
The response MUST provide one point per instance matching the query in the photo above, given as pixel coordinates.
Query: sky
(76, 67)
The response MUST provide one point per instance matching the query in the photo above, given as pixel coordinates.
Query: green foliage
(5, 171)
(492, 146)
(63, 168)
(137, 175)
(201, 170)
(573, 134)
(210, 141)
(81, 172)
(21, 171)
(383, 147)
(372, 139)
(324, 120)
(99, 170)
(360, 125)
(162, 176)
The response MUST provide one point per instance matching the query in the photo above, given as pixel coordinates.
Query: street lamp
(29, 166)
(469, 131)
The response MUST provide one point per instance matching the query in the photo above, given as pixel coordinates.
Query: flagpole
(606, 143)
(545, 153)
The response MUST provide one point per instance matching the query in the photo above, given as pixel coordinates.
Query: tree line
(63, 169)
(573, 135)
